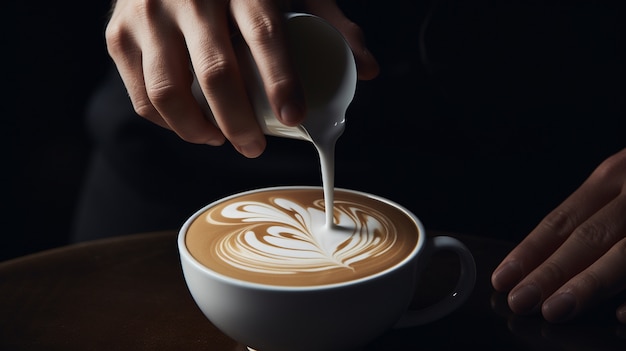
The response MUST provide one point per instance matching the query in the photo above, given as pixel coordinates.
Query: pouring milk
(327, 71)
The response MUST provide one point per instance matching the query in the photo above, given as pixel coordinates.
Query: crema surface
(280, 237)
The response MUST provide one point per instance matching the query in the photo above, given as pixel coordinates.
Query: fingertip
(252, 149)
(367, 66)
(559, 308)
(211, 137)
(292, 113)
(525, 299)
(506, 276)
(216, 141)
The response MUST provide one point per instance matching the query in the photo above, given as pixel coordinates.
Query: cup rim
(185, 255)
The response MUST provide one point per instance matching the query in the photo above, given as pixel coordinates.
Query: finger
(551, 232)
(586, 245)
(261, 24)
(125, 52)
(602, 280)
(168, 83)
(367, 66)
(215, 64)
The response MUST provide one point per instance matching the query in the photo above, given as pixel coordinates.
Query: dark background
(524, 97)
(60, 57)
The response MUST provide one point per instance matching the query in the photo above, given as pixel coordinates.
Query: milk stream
(324, 141)
(327, 165)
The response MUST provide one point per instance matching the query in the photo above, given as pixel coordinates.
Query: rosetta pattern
(283, 237)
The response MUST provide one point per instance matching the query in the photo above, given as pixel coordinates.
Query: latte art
(280, 237)
(283, 237)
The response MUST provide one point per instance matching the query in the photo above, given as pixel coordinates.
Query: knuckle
(215, 68)
(552, 273)
(113, 32)
(117, 38)
(143, 108)
(279, 83)
(147, 8)
(594, 235)
(560, 221)
(162, 92)
(263, 29)
(612, 168)
(591, 281)
(118, 33)
(589, 285)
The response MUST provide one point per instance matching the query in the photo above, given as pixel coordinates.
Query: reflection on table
(129, 293)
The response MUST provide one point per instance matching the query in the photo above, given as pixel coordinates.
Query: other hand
(576, 256)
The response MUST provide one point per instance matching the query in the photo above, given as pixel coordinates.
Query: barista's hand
(152, 42)
(576, 256)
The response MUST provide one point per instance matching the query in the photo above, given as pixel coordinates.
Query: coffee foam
(280, 237)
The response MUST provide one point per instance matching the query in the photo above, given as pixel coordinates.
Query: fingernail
(507, 276)
(559, 307)
(252, 149)
(292, 113)
(525, 299)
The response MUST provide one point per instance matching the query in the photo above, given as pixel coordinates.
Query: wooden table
(128, 293)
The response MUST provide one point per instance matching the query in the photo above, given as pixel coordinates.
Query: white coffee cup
(338, 316)
(325, 66)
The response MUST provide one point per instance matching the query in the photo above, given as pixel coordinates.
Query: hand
(576, 256)
(152, 42)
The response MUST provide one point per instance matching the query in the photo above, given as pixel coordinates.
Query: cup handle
(457, 297)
